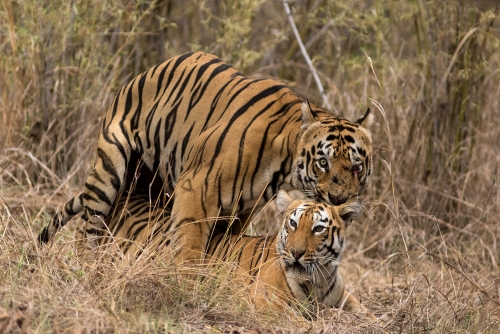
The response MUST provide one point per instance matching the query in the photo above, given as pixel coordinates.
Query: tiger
(221, 143)
(298, 263)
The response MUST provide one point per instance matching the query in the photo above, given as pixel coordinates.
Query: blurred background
(425, 252)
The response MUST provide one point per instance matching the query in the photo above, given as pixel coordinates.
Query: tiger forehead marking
(336, 148)
(297, 212)
(312, 215)
(320, 218)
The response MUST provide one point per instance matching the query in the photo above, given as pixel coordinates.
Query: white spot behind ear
(308, 115)
(349, 211)
(283, 200)
(366, 120)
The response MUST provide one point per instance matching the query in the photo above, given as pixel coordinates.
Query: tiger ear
(308, 115)
(366, 120)
(283, 200)
(349, 211)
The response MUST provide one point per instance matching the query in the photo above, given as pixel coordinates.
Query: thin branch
(306, 56)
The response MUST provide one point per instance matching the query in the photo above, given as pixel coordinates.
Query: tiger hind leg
(88, 226)
(102, 187)
(71, 208)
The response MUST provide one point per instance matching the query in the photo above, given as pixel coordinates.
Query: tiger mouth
(299, 268)
(331, 199)
(335, 200)
(296, 265)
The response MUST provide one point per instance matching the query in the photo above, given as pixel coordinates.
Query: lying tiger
(300, 262)
(217, 140)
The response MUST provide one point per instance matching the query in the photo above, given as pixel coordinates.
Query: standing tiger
(299, 262)
(220, 142)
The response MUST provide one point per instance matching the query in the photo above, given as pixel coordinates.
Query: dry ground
(424, 255)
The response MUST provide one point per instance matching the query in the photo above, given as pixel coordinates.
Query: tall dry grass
(424, 257)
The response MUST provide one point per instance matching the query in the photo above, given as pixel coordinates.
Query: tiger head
(312, 234)
(334, 157)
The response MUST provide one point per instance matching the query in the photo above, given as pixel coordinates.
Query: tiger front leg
(352, 304)
(194, 214)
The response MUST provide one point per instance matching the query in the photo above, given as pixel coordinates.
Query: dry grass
(425, 256)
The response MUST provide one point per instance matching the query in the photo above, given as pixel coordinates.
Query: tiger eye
(319, 229)
(323, 163)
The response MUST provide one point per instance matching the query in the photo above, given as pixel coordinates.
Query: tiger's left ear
(349, 211)
(283, 200)
(366, 120)
(308, 115)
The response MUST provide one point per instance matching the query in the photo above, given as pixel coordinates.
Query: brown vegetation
(424, 257)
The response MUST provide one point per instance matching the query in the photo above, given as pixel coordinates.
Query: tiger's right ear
(366, 120)
(308, 115)
(283, 200)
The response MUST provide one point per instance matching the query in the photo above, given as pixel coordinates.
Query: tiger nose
(297, 254)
